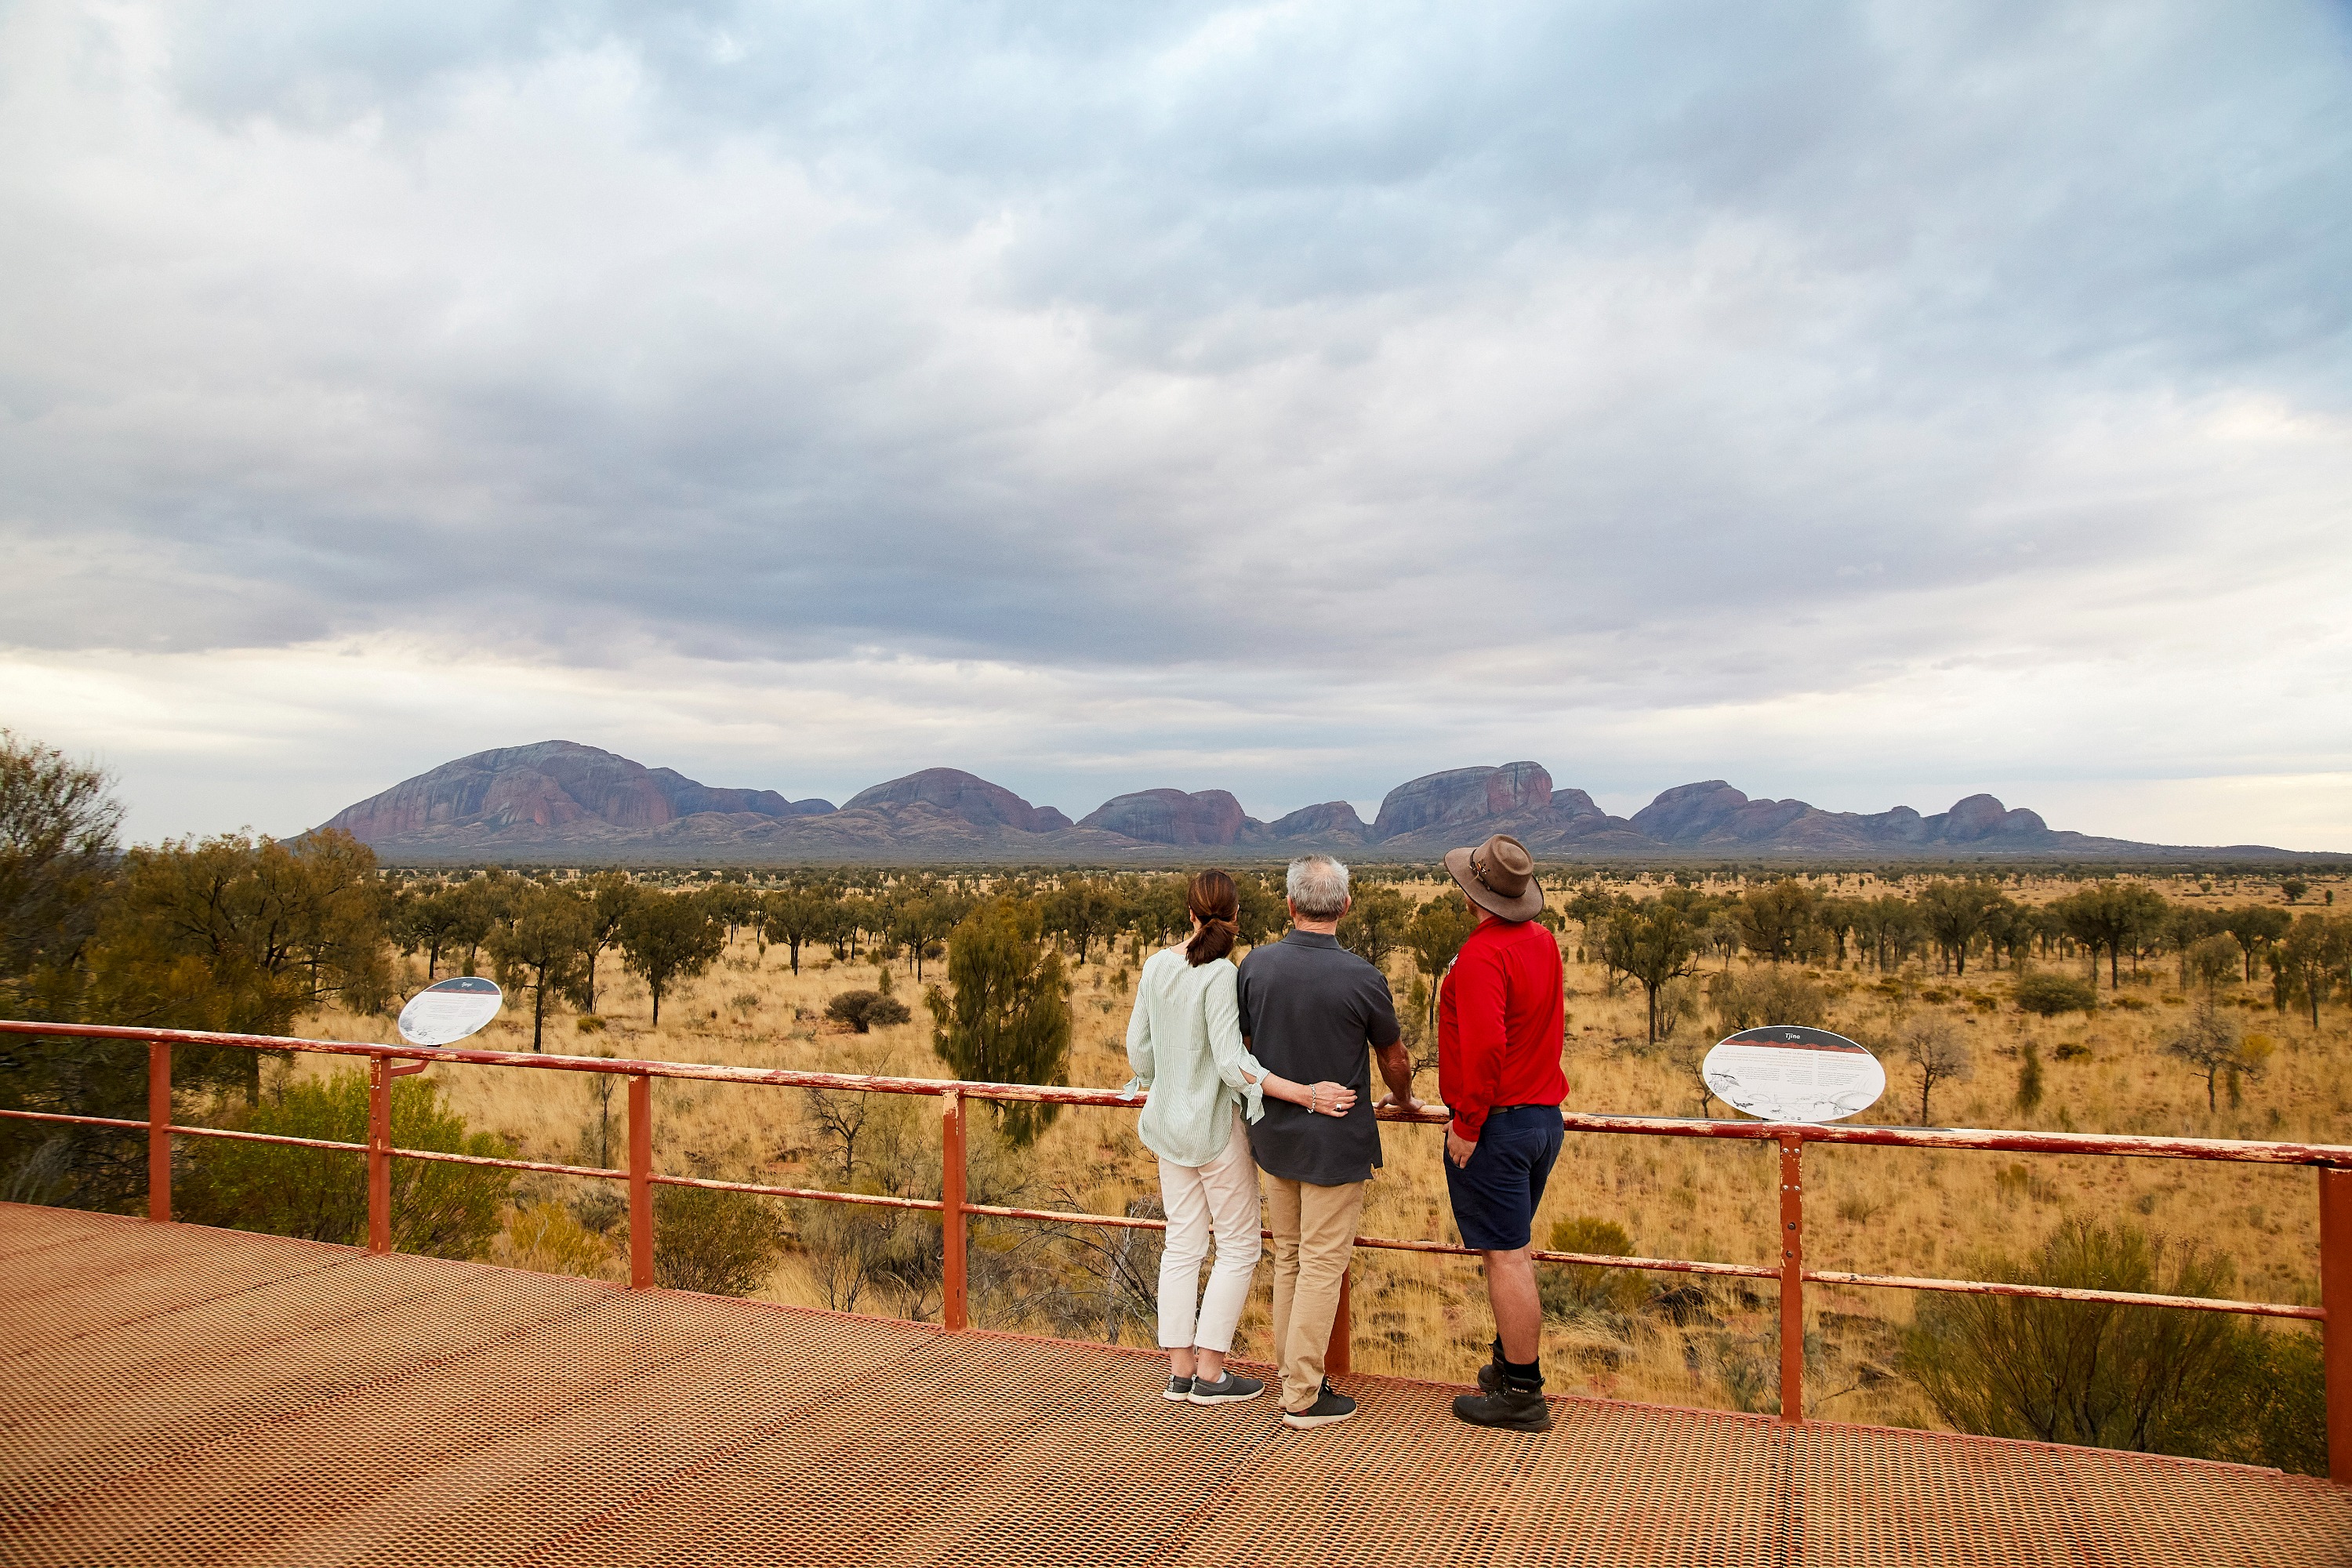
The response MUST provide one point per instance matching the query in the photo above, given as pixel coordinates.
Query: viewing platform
(175, 1395)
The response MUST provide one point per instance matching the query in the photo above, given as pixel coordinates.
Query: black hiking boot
(1514, 1407)
(1490, 1376)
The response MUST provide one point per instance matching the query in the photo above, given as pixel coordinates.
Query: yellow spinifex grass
(1881, 1210)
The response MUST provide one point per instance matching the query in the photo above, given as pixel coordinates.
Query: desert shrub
(2287, 1410)
(447, 1211)
(2110, 1376)
(861, 1010)
(545, 1238)
(1566, 1288)
(1767, 997)
(721, 1243)
(2051, 993)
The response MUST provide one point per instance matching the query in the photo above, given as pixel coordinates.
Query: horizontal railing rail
(2333, 1162)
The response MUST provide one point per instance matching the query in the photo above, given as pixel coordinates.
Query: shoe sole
(1223, 1398)
(1174, 1398)
(1307, 1423)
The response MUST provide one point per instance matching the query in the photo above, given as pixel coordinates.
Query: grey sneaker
(1329, 1409)
(1178, 1391)
(1231, 1389)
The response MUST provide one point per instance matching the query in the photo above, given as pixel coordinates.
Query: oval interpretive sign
(444, 1013)
(1783, 1072)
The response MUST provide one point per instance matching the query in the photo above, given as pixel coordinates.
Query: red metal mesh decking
(175, 1395)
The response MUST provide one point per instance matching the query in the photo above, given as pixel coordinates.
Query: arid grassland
(2103, 1067)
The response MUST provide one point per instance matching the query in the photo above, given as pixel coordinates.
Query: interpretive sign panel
(1783, 1072)
(444, 1013)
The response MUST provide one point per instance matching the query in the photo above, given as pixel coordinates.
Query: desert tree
(1007, 1016)
(669, 937)
(2210, 1044)
(427, 921)
(2256, 927)
(2210, 959)
(1955, 913)
(1779, 921)
(544, 949)
(1082, 909)
(1653, 943)
(1375, 923)
(797, 917)
(2111, 915)
(58, 827)
(1434, 936)
(2312, 960)
(610, 897)
(1935, 1044)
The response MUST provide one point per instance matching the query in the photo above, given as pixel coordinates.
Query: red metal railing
(2333, 1162)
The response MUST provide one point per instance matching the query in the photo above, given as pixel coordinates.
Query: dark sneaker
(1231, 1389)
(1330, 1407)
(1180, 1389)
(1510, 1408)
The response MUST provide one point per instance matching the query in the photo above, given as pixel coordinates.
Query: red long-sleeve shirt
(1501, 1017)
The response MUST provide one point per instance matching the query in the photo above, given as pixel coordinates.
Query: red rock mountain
(564, 803)
(552, 784)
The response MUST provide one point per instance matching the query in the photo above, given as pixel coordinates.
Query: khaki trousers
(1314, 1237)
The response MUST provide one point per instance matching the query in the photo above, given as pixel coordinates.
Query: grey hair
(1317, 886)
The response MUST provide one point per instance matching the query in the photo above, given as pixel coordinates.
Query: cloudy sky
(1873, 404)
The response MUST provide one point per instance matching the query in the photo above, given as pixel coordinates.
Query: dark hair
(1213, 901)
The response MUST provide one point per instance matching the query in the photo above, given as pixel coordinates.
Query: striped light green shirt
(1184, 1042)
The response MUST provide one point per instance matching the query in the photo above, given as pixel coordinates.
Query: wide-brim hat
(1499, 875)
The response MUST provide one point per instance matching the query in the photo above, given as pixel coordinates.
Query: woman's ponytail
(1214, 902)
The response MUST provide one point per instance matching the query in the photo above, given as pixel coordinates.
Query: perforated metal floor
(175, 1394)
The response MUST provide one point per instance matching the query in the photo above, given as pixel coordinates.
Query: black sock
(1498, 1350)
(1525, 1375)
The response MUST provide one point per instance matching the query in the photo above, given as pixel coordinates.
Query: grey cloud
(1106, 331)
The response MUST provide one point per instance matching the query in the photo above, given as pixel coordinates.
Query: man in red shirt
(1501, 1017)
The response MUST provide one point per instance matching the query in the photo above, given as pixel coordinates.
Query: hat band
(1480, 872)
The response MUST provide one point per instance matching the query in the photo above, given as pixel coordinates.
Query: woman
(1185, 1044)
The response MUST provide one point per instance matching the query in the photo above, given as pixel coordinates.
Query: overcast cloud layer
(1873, 403)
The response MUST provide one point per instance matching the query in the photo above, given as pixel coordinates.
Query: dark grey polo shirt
(1312, 1010)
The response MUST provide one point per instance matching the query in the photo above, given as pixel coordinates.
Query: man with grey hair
(1311, 1010)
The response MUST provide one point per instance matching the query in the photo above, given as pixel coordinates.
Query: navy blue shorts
(1496, 1194)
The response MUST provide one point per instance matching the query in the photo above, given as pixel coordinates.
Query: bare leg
(1519, 1310)
(1180, 1362)
(1211, 1363)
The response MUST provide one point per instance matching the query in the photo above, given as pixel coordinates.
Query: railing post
(2335, 1329)
(379, 1156)
(1793, 1280)
(954, 1305)
(159, 1130)
(641, 1186)
(1336, 1362)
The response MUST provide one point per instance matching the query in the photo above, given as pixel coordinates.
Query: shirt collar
(1312, 938)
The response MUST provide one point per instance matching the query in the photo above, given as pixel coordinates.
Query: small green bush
(447, 1211)
(1567, 1288)
(861, 1010)
(2050, 994)
(2147, 1379)
(721, 1243)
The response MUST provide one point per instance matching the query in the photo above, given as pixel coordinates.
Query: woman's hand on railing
(1325, 1098)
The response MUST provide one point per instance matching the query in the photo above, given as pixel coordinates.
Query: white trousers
(1221, 1195)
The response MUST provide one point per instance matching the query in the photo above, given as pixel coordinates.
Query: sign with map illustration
(444, 1013)
(1783, 1072)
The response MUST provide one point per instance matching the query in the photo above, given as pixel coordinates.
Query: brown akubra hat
(1499, 875)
